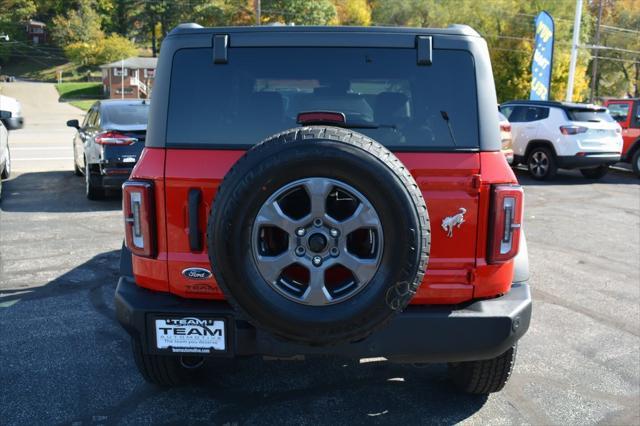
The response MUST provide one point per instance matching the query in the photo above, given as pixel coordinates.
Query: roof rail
(465, 29)
(185, 26)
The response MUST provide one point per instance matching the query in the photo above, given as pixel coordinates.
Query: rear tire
(595, 173)
(92, 189)
(165, 371)
(635, 162)
(541, 163)
(484, 376)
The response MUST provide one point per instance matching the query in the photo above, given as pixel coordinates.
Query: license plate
(190, 334)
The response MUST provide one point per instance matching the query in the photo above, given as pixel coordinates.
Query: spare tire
(319, 235)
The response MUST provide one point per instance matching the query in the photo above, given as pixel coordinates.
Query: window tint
(589, 115)
(382, 92)
(125, 114)
(506, 110)
(619, 112)
(523, 114)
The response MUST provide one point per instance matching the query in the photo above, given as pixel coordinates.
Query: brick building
(133, 76)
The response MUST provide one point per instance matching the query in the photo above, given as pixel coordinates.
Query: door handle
(195, 240)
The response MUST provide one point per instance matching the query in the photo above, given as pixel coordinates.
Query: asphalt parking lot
(65, 360)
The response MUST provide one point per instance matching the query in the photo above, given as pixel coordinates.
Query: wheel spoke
(363, 217)
(316, 293)
(272, 214)
(362, 269)
(318, 191)
(271, 266)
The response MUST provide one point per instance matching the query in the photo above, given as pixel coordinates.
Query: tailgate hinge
(220, 48)
(424, 46)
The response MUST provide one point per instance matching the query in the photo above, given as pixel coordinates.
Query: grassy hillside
(80, 95)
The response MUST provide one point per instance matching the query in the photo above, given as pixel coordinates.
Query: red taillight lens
(114, 138)
(321, 117)
(506, 222)
(139, 217)
(505, 127)
(572, 130)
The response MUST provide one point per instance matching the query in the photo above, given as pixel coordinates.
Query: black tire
(542, 163)
(93, 189)
(164, 370)
(6, 172)
(635, 162)
(485, 376)
(596, 172)
(324, 152)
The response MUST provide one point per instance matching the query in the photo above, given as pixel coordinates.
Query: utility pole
(594, 66)
(122, 80)
(256, 6)
(574, 50)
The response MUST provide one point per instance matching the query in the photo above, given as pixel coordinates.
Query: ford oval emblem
(197, 273)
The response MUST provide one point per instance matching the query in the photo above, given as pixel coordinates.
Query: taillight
(114, 138)
(506, 127)
(139, 217)
(321, 117)
(506, 222)
(572, 130)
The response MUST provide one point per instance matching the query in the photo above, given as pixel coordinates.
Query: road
(64, 359)
(45, 142)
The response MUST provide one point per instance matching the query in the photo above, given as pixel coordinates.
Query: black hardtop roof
(112, 103)
(557, 104)
(192, 28)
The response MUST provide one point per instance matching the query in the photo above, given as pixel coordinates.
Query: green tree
(352, 12)
(507, 25)
(13, 15)
(78, 26)
(299, 12)
(115, 47)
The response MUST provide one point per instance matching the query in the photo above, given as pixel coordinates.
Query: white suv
(550, 135)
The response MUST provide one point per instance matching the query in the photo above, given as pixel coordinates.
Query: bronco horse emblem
(456, 220)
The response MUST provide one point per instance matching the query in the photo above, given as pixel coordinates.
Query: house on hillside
(36, 31)
(131, 78)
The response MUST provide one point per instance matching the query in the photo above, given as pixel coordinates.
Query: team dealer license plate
(190, 334)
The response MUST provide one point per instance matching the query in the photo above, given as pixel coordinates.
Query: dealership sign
(542, 58)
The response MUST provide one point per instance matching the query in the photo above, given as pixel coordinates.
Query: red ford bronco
(324, 191)
(627, 113)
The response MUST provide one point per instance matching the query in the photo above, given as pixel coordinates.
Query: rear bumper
(587, 160)
(113, 177)
(479, 330)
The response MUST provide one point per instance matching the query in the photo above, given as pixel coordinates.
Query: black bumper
(587, 160)
(480, 330)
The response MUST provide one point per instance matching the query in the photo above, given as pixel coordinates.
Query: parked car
(278, 207)
(11, 105)
(627, 113)
(506, 138)
(108, 143)
(549, 135)
(7, 122)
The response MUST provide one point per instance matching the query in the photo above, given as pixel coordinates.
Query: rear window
(383, 92)
(619, 112)
(589, 115)
(524, 114)
(126, 115)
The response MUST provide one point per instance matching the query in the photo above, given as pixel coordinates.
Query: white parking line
(36, 148)
(42, 159)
